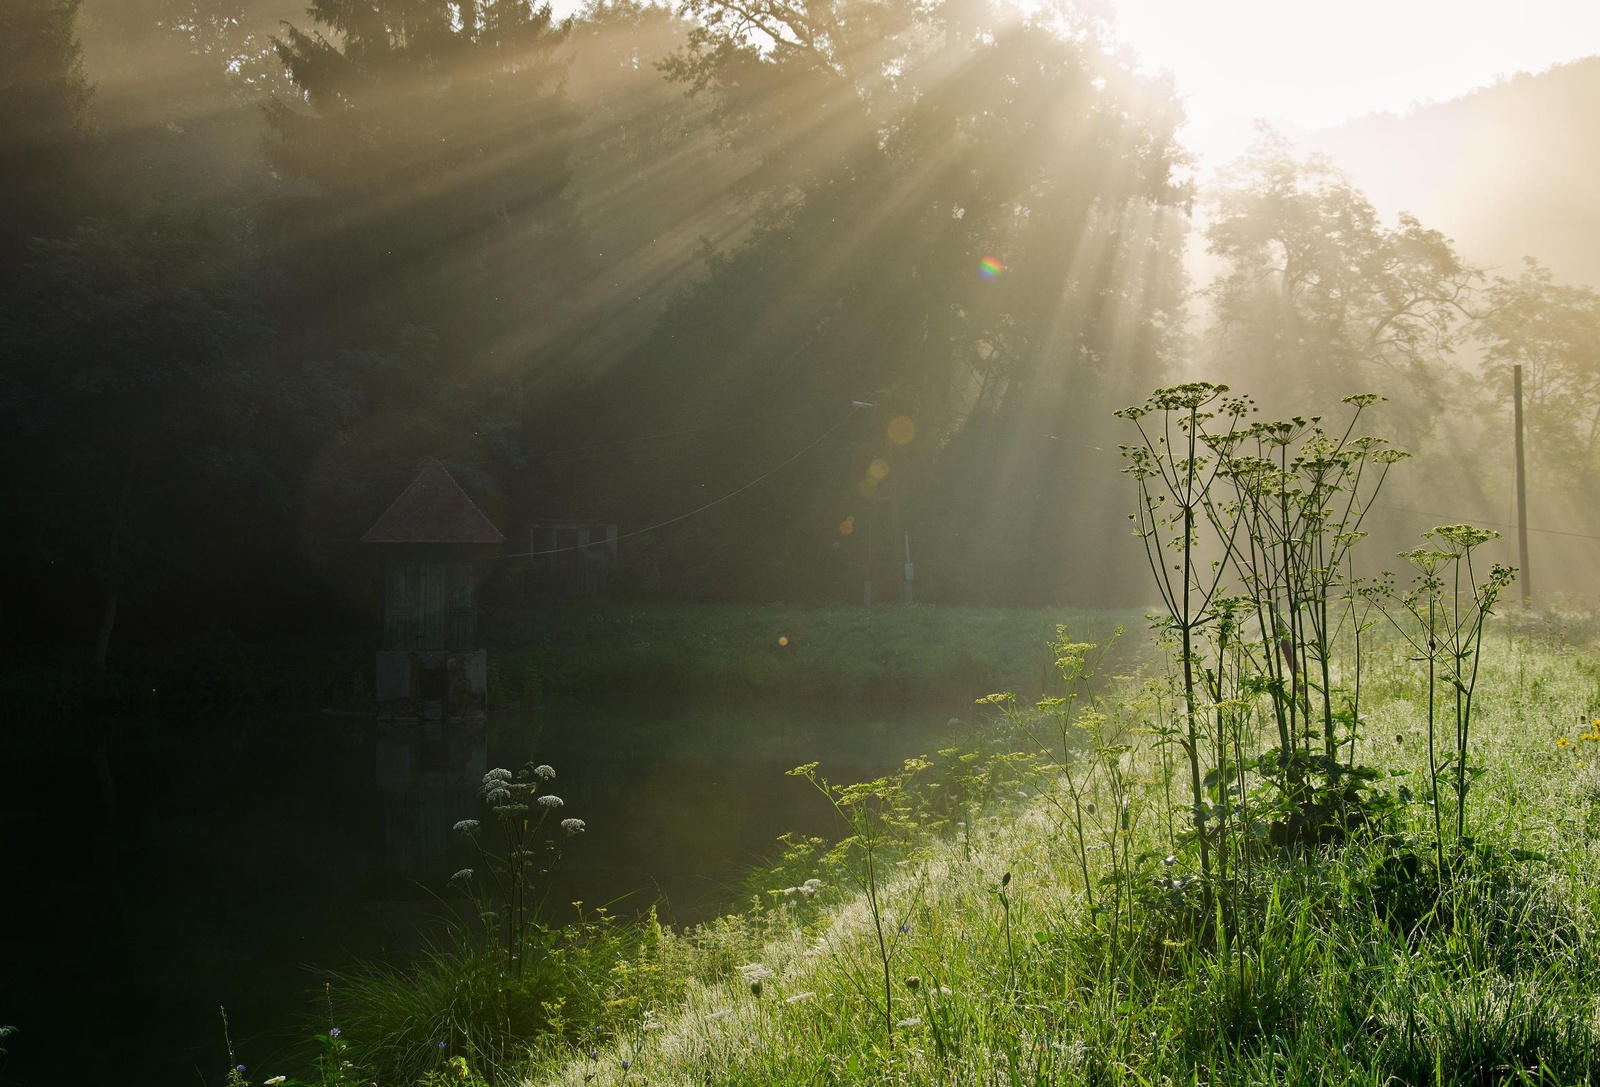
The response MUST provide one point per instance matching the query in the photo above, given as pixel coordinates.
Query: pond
(248, 855)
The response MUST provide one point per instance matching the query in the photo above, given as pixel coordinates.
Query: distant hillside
(1508, 171)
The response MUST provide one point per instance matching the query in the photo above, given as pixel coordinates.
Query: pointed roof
(434, 509)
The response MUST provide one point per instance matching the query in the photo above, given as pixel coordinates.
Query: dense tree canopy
(800, 283)
(1319, 296)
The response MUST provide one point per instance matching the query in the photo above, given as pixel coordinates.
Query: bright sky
(1315, 63)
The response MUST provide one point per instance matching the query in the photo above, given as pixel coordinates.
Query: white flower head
(464, 874)
(573, 826)
(550, 800)
(498, 796)
(274, 1080)
(544, 771)
(466, 826)
(499, 773)
(914, 1021)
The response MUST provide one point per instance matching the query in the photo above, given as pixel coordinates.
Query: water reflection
(251, 853)
(427, 775)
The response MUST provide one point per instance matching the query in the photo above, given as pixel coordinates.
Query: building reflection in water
(428, 774)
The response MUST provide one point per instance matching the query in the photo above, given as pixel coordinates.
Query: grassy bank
(997, 916)
(889, 654)
(1362, 964)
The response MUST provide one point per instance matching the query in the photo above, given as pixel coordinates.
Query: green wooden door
(460, 607)
(430, 605)
(400, 615)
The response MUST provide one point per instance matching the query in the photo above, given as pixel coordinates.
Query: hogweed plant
(519, 878)
(1441, 617)
(1250, 531)
(879, 815)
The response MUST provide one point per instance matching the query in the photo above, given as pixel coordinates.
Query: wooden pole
(1522, 490)
(910, 573)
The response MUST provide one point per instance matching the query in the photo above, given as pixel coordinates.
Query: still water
(248, 855)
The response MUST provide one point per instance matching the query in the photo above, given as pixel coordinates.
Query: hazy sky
(1314, 63)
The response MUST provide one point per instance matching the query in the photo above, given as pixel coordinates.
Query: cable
(750, 420)
(700, 509)
(1477, 520)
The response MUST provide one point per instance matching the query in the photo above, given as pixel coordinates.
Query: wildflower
(550, 800)
(905, 927)
(441, 1045)
(914, 1021)
(333, 1032)
(464, 874)
(594, 1054)
(1562, 742)
(573, 826)
(544, 772)
(238, 1068)
(466, 826)
(814, 883)
(498, 796)
(274, 1081)
(499, 773)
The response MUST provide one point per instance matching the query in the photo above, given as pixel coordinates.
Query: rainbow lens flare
(989, 267)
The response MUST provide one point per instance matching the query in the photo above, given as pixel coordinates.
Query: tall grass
(1365, 964)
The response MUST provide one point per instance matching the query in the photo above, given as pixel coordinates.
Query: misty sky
(1315, 63)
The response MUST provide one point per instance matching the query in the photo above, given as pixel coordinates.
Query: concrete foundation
(432, 684)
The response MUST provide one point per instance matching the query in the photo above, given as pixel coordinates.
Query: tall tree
(44, 124)
(900, 146)
(1552, 330)
(434, 136)
(131, 403)
(1319, 298)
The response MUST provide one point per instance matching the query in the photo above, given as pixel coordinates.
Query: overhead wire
(818, 440)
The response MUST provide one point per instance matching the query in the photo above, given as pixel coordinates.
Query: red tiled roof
(434, 509)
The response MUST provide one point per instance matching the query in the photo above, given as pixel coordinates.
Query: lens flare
(845, 528)
(783, 639)
(878, 468)
(989, 267)
(902, 430)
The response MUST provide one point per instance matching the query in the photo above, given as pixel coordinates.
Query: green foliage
(1552, 331)
(885, 655)
(1319, 294)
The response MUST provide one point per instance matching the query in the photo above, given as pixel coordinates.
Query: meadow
(1333, 829)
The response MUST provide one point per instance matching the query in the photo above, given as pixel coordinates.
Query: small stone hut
(435, 543)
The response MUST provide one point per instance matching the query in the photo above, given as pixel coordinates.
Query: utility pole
(866, 585)
(910, 573)
(1522, 489)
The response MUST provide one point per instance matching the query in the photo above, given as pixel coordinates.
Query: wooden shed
(435, 542)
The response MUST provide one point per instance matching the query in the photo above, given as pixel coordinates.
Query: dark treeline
(257, 261)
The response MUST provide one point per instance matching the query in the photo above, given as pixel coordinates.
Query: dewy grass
(1035, 912)
(1365, 964)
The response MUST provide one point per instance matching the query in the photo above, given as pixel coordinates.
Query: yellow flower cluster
(1591, 734)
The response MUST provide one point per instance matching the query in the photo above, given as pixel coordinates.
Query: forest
(1064, 617)
(259, 262)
